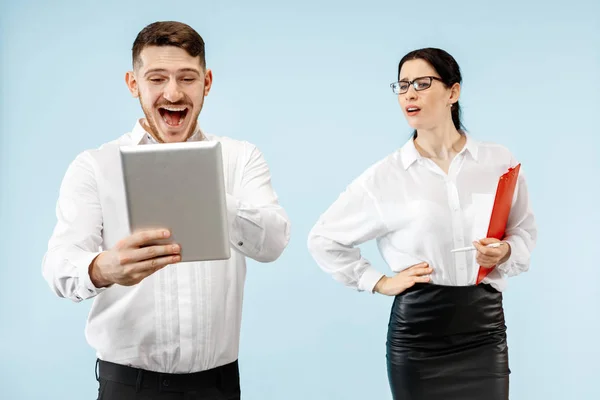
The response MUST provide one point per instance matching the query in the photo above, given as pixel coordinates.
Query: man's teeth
(413, 109)
(174, 109)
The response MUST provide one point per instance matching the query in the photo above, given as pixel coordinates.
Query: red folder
(501, 210)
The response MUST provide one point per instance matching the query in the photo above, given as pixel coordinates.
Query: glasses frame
(413, 84)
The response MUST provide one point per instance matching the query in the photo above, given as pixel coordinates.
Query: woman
(446, 335)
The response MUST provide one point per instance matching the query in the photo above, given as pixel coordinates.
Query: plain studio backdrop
(308, 83)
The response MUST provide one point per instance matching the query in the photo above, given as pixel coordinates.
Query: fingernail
(166, 233)
(175, 247)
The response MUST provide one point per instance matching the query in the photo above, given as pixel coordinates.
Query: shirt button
(240, 243)
(166, 382)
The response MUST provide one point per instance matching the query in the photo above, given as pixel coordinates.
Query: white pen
(470, 248)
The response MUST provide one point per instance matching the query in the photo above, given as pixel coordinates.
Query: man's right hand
(133, 259)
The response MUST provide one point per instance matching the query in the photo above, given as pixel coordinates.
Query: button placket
(460, 260)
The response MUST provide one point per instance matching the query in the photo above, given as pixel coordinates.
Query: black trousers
(120, 382)
(447, 342)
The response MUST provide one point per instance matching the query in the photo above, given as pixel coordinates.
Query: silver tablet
(179, 186)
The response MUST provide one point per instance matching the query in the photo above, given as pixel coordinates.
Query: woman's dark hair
(446, 67)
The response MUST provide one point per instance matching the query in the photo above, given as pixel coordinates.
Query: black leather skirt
(448, 342)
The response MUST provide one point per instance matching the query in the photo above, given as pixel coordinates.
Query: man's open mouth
(173, 116)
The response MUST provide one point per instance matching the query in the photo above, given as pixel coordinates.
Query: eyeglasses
(421, 83)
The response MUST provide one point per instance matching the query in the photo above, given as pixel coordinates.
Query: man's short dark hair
(169, 33)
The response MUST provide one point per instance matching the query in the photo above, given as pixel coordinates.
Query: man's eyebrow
(155, 70)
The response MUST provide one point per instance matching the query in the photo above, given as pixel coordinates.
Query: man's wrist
(98, 280)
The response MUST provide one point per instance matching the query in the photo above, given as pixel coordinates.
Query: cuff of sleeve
(507, 267)
(86, 287)
(369, 279)
(233, 206)
(504, 268)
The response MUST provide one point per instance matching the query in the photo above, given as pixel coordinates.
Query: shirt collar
(140, 136)
(409, 153)
(472, 146)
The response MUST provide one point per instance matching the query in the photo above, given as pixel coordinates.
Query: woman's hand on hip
(404, 280)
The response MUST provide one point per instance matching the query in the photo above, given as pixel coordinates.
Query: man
(161, 329)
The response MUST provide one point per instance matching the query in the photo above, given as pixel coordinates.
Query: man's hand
(489, 257)
(133, 259)
(404, 280)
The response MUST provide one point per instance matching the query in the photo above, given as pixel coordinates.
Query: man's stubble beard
(149, 124)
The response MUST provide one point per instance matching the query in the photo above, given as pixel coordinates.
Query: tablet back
(179, 186)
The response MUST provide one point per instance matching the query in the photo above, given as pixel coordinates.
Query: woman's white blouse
(417, 213)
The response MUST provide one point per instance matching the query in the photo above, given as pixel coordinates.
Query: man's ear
(208, 79)
(132, 84)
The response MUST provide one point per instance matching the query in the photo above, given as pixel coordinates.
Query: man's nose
(172, 92)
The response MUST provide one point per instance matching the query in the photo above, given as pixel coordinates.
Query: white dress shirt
(186, 317)
(418, 213)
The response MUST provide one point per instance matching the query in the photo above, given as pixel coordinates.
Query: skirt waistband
(428, 312)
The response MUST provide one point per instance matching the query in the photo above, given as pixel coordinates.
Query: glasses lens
(422, 83)
(401, 87)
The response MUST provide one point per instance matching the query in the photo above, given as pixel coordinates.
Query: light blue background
(308, 82)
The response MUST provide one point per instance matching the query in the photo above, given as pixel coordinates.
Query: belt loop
(138, 382)
(96, 369)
